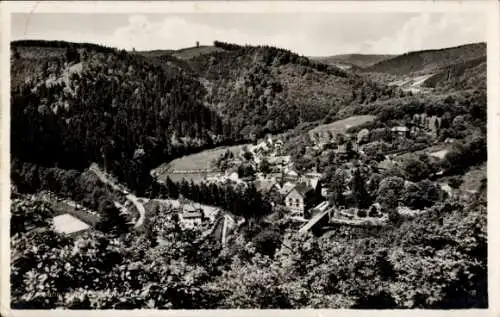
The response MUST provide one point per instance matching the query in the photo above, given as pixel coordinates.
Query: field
(193, 167)
(342, 125)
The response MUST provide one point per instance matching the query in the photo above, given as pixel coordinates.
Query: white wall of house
(191, 222)
(295, 202)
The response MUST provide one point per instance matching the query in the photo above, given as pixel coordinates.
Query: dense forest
(268, 90)
(113, 108)
(429, 60)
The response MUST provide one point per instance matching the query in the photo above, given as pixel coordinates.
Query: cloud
(175, 33)
(431, 31)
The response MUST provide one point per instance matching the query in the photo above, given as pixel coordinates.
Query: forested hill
(73, 104)
(263, 89)
(429, 60)
(357, 61)
(460, 76)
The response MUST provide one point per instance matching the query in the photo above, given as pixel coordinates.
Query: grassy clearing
(342, 125)
(198, 161)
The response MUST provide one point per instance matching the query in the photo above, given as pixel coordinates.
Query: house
(232, 174)
(311, 179)
(191, 217)
(261, 148)
(363, 136)
(278, 177)
(267, 186)
(280, 160)
(400, 131)
(286, 188)
(325, 192)
(278, 144)
(377, 134)
(295, 198)
(342, 148)
(291, 176)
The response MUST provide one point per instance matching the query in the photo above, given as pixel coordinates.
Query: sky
(310, 34)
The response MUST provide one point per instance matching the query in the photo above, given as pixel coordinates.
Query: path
(131, 197)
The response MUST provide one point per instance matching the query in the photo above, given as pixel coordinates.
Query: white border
(490, 7)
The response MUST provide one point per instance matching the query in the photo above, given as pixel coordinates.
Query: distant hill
(355, 61)
(268, 90)
(421, 62)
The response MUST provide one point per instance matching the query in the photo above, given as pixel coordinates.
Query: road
(131, 197)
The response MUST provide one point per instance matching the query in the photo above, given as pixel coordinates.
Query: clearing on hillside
(344, 124)
(195, 166)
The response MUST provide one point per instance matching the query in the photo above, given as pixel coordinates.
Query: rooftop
(400, 129)
(192, 214)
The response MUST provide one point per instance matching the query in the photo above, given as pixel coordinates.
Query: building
(191, 217)
(311, 179)
(279, 160)
(266, 186)
(291, 176)
(294, 198)
(400, 131)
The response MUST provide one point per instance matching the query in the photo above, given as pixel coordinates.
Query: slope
(428, 60)
(355, 61)
(460, 76)
(76, 104)
(268, 90)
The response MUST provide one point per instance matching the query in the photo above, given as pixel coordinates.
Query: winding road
(131, 197)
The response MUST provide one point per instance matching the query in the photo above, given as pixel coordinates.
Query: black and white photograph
(205, 160)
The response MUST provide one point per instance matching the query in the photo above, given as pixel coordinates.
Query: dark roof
(265, 185)
(302, 189)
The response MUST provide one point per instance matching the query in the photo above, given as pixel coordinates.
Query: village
(304, 194)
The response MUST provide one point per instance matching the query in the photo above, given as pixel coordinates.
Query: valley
(349, 181)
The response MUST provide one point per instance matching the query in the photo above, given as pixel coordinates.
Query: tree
(27, 215)
(111, 219)
(267, 241)
(429, 193)
(360, 195)
(390, 192)
(416, 169)
(72, 54)
(265, 167)
(336, 188)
